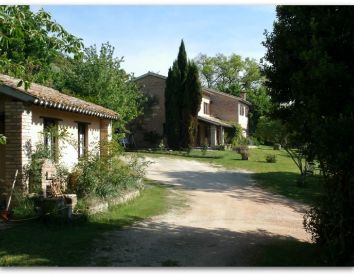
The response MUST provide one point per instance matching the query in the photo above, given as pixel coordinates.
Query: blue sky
(148, 37)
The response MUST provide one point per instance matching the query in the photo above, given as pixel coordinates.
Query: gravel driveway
(225, 221)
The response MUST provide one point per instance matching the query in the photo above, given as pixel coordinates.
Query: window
(82, 139)
(50, 127)
(242, 110)
(206, 108)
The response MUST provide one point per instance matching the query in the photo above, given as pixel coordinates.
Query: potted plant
(244, 151)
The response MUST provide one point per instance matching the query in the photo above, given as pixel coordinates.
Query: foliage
(270, 131)
(204, 148)
(252, 141)
(244, 151)
(31, 243)
(271, 158)
(234, 75)
(24, 207)
(233, 135)
(99, 78)
(105, 176)
(30, 42)
(33, 170)
(152, 137)
(192, 97)
(182, 101)
(2, 139)
(310, 72)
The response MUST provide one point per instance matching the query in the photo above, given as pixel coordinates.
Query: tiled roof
(151, 74)
(51, 98)
(205, 89)
(217, 92)
(213, 120)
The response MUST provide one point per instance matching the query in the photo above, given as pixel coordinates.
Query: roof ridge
(50, 97)
(149, 73)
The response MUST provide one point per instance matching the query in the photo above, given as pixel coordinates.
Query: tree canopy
(30, 42)
(310, 71)
(234, 74)
(99, 78)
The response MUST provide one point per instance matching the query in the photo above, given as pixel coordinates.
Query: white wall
(205, 99)
(243, 119)
(68, 147)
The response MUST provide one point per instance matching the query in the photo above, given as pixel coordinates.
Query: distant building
(217, 112)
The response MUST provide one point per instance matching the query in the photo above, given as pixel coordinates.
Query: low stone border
(101, 206)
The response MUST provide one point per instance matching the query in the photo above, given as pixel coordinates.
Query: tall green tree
(310, 74)
(172, 100)
(234, 74)
(182, 100)
(30, 42)
(192, 98)
(99, 78)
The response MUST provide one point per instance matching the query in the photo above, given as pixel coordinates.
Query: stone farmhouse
(217, 112)
(26, 114)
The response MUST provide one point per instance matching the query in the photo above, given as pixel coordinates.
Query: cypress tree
(182, 100)
(172, 129)
(191, 104)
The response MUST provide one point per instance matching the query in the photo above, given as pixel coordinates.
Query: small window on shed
(82, 139)
(50, 129)
(242, 110)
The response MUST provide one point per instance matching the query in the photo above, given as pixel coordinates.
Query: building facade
(218, 111)
(27, 115)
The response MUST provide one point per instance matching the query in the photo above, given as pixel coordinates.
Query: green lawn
(38, 244)
(279, 177)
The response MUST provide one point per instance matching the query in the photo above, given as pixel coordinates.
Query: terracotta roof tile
(52, 98)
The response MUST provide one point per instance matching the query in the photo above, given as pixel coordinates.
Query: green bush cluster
(271, 158)
(106, 176)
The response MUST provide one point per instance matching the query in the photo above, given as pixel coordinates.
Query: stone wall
(224, 107)
(154, 119)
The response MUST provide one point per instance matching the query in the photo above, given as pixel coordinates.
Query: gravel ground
(225, 220)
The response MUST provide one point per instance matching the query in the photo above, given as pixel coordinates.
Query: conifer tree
(182, 100)
(191, 103)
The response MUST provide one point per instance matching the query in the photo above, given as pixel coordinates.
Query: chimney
(243, 95)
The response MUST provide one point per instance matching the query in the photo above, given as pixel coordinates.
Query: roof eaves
(214, 121)
(210, 90)
(9, 87)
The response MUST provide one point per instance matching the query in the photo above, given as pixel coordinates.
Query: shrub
(24, 206)
(221, 147)
(234, 135)
(253, 141)
(106, 176)
(271, 158)
(204, 148)
(244, 151)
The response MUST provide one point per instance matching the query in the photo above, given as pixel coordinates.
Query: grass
(280, 177)
(38, 244)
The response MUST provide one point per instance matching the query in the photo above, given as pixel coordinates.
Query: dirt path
(226, 220)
